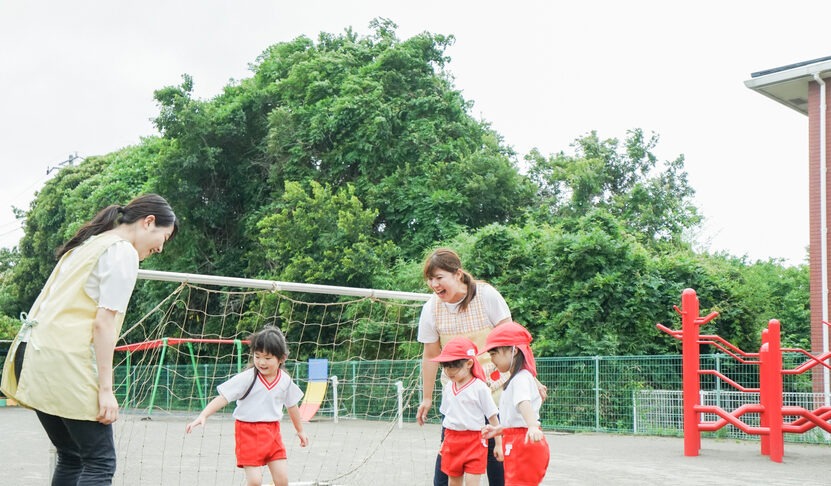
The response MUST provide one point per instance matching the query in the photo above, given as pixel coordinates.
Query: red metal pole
(771, 388)
(690, 367)
(764, 391)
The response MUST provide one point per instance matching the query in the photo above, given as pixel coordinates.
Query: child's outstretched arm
(213, 407)
(492, 429)
(294, 415)
(534, 433)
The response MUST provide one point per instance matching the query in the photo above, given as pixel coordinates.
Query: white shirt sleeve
(427, 322)
(236, 386)
(293, 394)
(113, 279)
(495, 306)
(486, 401)
(525, 388)
(521, 388)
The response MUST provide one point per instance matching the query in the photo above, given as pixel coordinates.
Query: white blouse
(112, 280)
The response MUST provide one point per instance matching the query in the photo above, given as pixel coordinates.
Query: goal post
(195, 339)
(275, 285)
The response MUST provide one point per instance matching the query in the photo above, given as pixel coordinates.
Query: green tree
(343, 159)
(321, 237)
(71, 198)
(585, 290)
(382, 114)
(8, 293)
(213, 172)
(652, 199)
(375, 112)
(589, 287)
(46, 227)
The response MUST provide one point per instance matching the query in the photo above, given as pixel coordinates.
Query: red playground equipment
(772, 413)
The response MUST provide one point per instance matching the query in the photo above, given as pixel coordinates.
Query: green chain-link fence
(622, 394)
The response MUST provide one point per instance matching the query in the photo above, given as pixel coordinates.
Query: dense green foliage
(344, 160)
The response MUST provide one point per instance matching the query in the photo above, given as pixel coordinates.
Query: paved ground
(157, 452)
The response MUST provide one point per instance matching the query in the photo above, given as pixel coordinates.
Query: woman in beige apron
(60, 364)
(459, 306)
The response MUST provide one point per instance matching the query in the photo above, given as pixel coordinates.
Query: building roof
(789, 84)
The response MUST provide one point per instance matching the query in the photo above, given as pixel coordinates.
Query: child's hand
(534, 434)
(498, 453)
(200, 420)
(304, 439)
(490, 431)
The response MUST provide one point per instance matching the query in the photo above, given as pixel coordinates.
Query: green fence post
(238, 344)
(597, 393)
(168, 388)
(158, 377)
(354, 387)
(196, 376)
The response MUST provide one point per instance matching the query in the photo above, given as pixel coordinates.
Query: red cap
(513, 334)
(461, 347)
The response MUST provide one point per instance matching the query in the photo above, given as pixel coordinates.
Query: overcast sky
(78, 77)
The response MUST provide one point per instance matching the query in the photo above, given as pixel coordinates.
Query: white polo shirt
(265, 401)
(522, 387)
(466, 407)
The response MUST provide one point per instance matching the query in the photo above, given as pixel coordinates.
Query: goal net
(352, 351)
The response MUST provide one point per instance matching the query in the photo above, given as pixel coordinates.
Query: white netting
(169, 363)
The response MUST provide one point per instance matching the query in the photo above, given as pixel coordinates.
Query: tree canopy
(344, 160)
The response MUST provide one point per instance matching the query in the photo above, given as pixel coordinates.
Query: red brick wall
(815, 226)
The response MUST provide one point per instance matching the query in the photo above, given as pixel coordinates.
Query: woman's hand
(107, 407)
(429, 369)
(423, 408)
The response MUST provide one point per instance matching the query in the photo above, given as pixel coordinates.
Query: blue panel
(318, 369)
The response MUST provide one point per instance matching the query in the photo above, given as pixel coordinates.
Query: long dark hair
(449, 261)
(113, 215)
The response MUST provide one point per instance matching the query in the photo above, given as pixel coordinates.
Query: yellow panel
(315, 391)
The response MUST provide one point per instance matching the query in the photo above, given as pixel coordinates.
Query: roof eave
(781, 85)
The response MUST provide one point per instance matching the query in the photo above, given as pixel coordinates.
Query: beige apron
(60, 375)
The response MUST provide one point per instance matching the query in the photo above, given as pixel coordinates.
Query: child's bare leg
(472, 479)
(455, 480)
(279, 472)
(253, 475)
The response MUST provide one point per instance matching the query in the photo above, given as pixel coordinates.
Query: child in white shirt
(466, 400)
(526, 453)
(260, 393)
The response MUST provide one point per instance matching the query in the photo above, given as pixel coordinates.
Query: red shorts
(463, 451)
(525, 464)
(258, 443)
